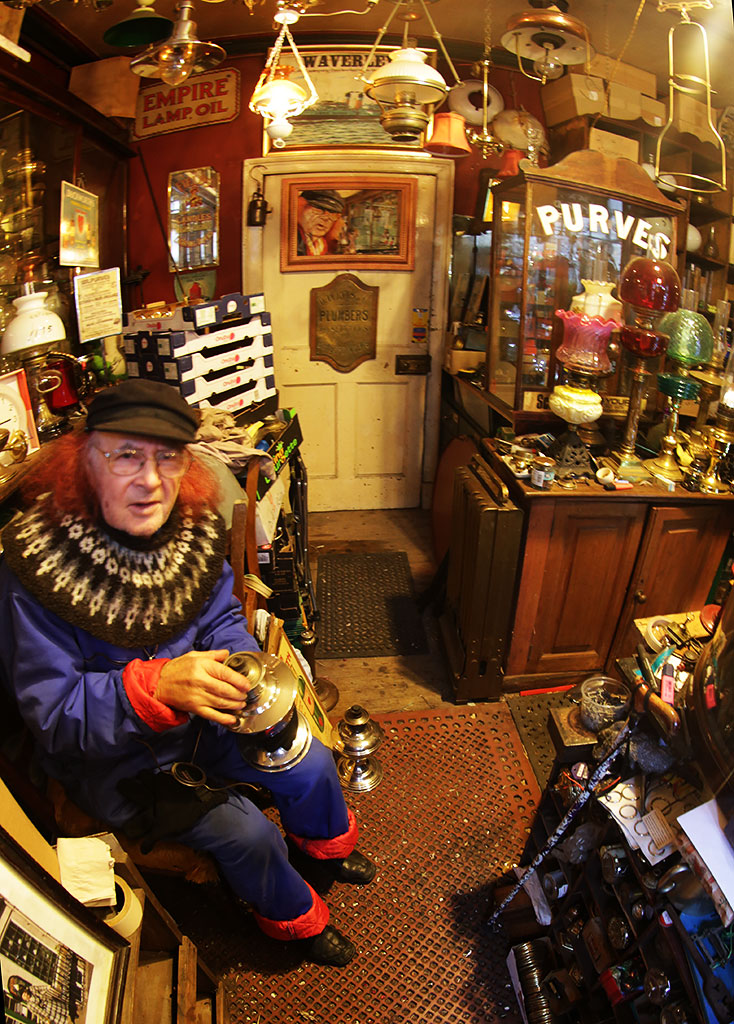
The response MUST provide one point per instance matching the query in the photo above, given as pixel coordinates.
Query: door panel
(675, 570)
(370, 436)
(580, 557)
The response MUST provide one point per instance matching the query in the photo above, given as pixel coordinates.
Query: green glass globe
(691, 338)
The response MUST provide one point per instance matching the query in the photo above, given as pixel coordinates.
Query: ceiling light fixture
(276, 98)
(181, 55)
(550, 39)
(141, 28)
(406, 84)
(689, 76)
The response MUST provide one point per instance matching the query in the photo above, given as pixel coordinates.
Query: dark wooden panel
(676, 566)
(578, 562)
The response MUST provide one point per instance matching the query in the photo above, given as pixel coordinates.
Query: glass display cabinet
(560, 237)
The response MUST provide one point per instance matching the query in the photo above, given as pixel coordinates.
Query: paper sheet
(87, 870)
(704, 826)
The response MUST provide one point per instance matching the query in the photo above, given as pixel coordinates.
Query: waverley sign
(212, 98)
(597, 218)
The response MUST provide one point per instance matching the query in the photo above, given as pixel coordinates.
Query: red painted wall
(225, 147)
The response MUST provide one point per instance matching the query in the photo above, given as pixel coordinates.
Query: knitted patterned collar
(93, 580)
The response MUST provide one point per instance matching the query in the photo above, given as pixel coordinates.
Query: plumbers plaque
(343, 324)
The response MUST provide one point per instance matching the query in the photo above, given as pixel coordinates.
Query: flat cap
(324, 199)
(146, 407)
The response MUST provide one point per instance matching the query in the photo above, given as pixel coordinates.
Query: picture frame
(343, 115)
(15, 401)
(55, 953)
(348, 222)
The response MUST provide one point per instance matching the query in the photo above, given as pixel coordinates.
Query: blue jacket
(70, 691)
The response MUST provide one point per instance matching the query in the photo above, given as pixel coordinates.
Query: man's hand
(199, 683)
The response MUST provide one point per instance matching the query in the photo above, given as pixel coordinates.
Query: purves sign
(212, 98)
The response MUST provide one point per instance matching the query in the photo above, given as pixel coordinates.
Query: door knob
(640, 597)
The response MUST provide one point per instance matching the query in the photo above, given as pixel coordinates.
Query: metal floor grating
(530, 713)
(450, 815)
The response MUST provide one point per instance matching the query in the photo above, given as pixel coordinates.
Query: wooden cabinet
(681, 551)
(576, 566)
(588, 563)
(591, 565)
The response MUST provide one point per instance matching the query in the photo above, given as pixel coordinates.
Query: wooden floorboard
(384, 685)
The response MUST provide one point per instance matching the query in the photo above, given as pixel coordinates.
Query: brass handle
(640, 597)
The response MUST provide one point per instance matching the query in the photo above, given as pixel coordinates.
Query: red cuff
(311, 923)
(330, 849)
(140, 679)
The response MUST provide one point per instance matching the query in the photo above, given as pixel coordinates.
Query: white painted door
(370, 435)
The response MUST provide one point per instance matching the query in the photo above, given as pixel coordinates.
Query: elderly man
(116, 619)
(321, 210)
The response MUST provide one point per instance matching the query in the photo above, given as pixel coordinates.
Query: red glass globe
(648, 284)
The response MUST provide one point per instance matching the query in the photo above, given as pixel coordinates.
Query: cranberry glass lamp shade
(651, 288)
(585, 342)
(650, 284)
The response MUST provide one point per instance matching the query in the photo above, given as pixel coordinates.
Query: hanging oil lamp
(358, 739)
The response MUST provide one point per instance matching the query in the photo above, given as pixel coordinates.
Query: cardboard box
(609, 68)
(239, 399)
(198, 364)
(654, 112)
(107, 85)
(623, 102)
(570, 96)
(201, 318)
(614, 145)
(691, 116)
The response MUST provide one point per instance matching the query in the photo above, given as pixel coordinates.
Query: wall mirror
(193, 218)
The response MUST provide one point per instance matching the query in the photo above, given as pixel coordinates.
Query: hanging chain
(488, 30)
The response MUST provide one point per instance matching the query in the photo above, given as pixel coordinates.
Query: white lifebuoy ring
(460, 102)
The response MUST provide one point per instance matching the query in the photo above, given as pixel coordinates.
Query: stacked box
(216, 354)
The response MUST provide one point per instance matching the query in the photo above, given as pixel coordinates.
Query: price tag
(667, 686)
(710, 696)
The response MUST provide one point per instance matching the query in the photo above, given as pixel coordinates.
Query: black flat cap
(324, 199)
(144, 407)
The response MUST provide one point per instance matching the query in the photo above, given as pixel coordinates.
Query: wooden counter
(589, 563)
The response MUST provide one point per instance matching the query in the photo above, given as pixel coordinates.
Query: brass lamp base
(627, 466)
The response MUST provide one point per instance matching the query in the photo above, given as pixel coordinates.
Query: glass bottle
(711, 249)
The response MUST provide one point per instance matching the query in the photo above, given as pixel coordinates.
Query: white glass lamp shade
(407, 79)
(279, 99)
(32, 326)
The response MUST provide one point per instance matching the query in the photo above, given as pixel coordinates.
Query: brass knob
(640, 597)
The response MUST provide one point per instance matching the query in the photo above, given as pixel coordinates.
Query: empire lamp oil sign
(212, 98)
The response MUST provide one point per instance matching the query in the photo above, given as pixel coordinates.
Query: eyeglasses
(169, 462)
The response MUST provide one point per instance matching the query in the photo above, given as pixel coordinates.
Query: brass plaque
(343, 323)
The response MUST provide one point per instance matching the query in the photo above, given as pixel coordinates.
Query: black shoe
(356, 868)
(329, 947)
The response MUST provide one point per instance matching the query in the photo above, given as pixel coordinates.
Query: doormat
(367, 606)
(448, 818)
(530, 712)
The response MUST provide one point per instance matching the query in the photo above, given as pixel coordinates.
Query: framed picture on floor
(58, 960)
(348, 222)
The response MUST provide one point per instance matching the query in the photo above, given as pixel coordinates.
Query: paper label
(658, 829)
(667, 688)
(710, 696)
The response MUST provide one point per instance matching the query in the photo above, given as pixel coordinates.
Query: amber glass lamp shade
(651, 288)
